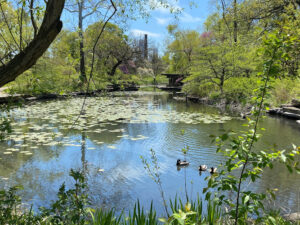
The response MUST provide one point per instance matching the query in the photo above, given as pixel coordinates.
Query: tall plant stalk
(241, 155)
(258, 112)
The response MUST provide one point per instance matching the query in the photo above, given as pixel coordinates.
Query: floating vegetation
(7, 153)
(51, 123)
(139, 137)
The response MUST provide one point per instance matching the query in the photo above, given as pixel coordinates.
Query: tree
(84, 9)
(157, 64)
(182, 49)
(217, 58)
(115, 48)
(22, 59)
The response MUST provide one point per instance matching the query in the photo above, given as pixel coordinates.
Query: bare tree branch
(21, 27)
(35, 28)
(7, 44)
(93, 10)
(71, 11)
(7, 24)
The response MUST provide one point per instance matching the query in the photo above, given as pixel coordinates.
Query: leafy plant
(70, 208)
(155, 175)
(241, 156)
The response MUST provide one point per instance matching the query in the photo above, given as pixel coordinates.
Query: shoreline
(7, 99)
(287, 111)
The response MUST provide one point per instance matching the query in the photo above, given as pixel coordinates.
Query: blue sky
(155, 26)
(189, 18)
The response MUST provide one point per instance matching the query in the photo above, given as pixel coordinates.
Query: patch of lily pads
(49, 123)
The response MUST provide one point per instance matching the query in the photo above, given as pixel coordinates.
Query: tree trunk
(81, 46)
(113, 70)
(235, 26)
(50, 28)
(222, 79)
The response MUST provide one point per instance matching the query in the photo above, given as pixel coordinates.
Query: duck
(202, 168)
(213, 170)
(182, 163)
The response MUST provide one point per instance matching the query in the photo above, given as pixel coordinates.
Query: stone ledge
(292, 216)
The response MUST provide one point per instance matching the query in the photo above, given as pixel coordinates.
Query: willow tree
(181, 50)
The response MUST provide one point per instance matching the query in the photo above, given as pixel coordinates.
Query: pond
(109, 137)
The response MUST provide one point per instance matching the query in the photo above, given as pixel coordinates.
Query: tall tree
(84, 8)
(182, 49)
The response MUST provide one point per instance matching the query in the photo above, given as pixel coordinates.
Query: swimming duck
(213, 170)
(202, 168)
(182, 163)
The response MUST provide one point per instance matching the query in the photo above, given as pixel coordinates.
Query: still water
(107, 140)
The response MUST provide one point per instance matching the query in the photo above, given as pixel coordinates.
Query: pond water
(110, 136)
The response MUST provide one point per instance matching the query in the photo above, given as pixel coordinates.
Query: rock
(291, 115)
(291, 110)
(286, 105)
(296, 103)
(179, 98)
(31, 98)
(274, 111)
(298, 121)
(292, 216)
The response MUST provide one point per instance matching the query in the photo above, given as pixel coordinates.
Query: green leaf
(289, 168)
(246, 199)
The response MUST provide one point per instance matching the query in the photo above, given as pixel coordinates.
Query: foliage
(219, 65)
(181, 51)
(154, 173)
(240, 89)
(70, 206)
(284, 91)
(241, 157)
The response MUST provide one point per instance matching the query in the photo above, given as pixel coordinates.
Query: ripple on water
(45, 130)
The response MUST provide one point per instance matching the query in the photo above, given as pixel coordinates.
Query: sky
(189, 18)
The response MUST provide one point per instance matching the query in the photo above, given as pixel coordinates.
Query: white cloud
(166, 7)
(162, 21)
(188, 18)
(137, 33)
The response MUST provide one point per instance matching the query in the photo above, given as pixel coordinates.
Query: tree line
(224, 60)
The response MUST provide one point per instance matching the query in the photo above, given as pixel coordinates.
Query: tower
(146, 46)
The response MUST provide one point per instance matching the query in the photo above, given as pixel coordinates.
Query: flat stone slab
(291, 115)
(292, 216)
(291, 110)
(274, 111)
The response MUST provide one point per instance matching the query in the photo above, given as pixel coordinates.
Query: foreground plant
(241, 157)
(154, 173)
(70, 208)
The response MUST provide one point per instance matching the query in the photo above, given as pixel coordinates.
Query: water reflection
(116, 147)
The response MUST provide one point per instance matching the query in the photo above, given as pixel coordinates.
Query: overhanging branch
(50, 28)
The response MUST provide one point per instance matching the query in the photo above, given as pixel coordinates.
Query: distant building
(143, 46)
(175, 79)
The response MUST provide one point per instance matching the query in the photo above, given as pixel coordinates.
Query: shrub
(285, 90)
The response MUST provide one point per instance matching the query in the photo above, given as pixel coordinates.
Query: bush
(239, 89)
(285, 90)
